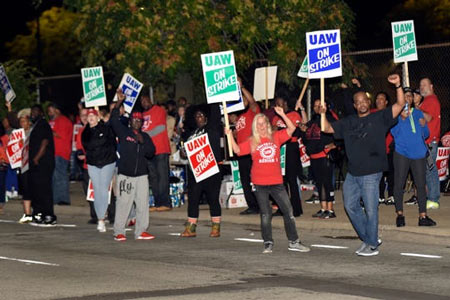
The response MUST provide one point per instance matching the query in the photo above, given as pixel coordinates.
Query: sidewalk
(79, 210)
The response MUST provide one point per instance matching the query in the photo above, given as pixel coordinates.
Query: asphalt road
(80, 263)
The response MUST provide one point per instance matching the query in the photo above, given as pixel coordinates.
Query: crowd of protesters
(124, 155)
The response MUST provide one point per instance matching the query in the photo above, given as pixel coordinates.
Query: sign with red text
(304, 158)
(15, 147)
(76, 131)
(442, 162)
(201, 157)
(90, 192)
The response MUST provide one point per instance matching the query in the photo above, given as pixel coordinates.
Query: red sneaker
(132, 222)
(145, 236)
(120, 238)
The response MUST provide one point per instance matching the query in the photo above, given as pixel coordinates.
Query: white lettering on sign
(221, 85)
(324, 62)
(204, 163)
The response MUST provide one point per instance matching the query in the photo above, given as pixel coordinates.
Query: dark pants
(42, 195)
(278, 192)
(3, 185)
(245, 165)
(322, 171)
(211, 187)
(158, 168)
(60, 181)
(85, 184)
(388, 176)
(402, 165)
(293, 171)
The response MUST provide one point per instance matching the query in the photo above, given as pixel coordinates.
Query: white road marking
(175, 234)
(420, 255)
(7, 221)
(29, 261)
(329, 246)
(249, 240)
(66, 225)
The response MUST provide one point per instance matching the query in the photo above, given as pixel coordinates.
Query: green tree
(60, 47)
(23, 81)
(157, 40)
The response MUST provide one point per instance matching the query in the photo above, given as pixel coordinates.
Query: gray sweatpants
(131, 190)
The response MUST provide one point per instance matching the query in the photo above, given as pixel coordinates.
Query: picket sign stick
(322, 103)
(305, 85)
(406, 74)
(267, 86)
(227, 126)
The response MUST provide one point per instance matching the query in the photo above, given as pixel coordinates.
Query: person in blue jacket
(410, 154)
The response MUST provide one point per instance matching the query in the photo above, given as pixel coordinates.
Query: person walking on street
(132, 179)
(264, 148)
(99, 142)
(364, 137)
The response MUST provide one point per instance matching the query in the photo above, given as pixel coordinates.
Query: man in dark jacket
(42, 164)
(132, 180)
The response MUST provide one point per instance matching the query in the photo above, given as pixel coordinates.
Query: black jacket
(133, 155)
(99, 143)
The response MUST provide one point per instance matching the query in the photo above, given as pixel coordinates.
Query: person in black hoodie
(211, 185)
(132, 179)
(318, 145)
(99, 144)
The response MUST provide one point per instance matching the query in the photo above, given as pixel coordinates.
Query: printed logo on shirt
(147, 123)
(240, 124)
(131, 139)
(280, 124)
(267, 152)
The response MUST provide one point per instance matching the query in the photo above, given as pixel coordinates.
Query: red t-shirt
(293, 116)
(62, 129)
(154, 117)
(244, 124)
(431, 106)
(266, 169)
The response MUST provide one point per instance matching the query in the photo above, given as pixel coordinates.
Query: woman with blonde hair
(264, 148)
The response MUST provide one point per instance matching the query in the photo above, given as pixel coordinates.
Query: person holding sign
(212, 127)
(3, 166)
(364, 135)
(243, 129)
(264, 148)
(410, 154)
(99, 142)
(318, 145)
(132, 179)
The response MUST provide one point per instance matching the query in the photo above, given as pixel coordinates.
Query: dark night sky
(368, 17)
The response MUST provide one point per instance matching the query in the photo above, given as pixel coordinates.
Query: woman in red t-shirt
(264, 148)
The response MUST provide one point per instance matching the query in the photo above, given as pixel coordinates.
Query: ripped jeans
(279, 194)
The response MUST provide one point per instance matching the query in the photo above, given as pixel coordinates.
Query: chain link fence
(432, 63)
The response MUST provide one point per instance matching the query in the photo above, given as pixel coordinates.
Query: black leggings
(245, 165)
(322, 171)
(293, 170)
(211, 187)
(402, 165)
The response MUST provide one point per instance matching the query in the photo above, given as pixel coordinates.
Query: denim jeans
(75, 170)
(60, 181)
(432, 177)
(281, 197)
(101, 179)
(158, 176)
(364, 220)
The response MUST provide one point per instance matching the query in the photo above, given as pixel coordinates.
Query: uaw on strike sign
(201, 158)
(324, 54)
(131, 87)
(15, 147)
(219, 73)
(404, 41)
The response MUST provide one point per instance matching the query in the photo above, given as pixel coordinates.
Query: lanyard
(411, 120)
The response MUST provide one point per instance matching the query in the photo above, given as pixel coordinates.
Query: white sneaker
(101, 226)
(25, 219)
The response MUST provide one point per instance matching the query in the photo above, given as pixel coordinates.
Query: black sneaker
(49, 221)
(249, 211)
(320, 214)
(426, 221)
(38, 219)
(389, 200)
(313, 200)
(329, 214)
(400, 221)
(411, 201)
